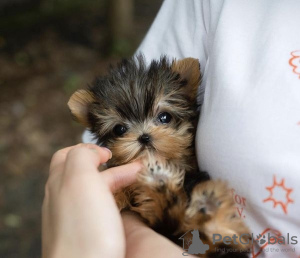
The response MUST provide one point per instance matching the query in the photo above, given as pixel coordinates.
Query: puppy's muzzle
(144, 139)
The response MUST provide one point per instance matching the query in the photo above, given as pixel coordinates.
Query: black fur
(131, 89)
(193, 178)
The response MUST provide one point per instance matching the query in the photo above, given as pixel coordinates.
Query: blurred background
(48, 49)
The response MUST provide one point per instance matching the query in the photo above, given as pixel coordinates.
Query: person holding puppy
(249, 128)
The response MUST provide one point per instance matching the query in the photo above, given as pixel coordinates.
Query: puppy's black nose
(145, 138)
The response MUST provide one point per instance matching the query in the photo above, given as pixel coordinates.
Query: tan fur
(164, 140)
(189, 69)
(78, 104)
(159, 189)
(158, 195)
(221, 219)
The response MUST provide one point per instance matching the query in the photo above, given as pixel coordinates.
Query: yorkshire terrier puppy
(150, 113)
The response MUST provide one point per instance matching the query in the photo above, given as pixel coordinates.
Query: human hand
(79, 215)
(142, 241)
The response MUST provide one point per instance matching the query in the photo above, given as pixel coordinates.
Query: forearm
(142, 241)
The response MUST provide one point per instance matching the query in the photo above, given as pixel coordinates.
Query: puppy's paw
(208, 198)
(211, 210)
(161, 176)
(159, 197)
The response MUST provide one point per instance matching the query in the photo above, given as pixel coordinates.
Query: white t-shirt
(249, 129)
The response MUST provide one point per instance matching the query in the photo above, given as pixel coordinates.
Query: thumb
(121, 176)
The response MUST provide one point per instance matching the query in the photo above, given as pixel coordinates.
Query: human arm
(79, 216)
(142, 241)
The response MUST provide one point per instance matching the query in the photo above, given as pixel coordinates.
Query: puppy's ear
(189, 70)
(79, 105)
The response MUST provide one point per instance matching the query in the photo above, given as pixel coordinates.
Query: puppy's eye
(119, 130)
(164, 118)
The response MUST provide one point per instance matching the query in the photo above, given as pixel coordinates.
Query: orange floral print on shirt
(295, 62)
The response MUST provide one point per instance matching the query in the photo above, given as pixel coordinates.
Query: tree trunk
(120, 18)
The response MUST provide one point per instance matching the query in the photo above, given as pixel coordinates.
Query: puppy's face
(138, 110)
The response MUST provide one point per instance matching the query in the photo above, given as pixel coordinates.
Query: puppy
(149, 113)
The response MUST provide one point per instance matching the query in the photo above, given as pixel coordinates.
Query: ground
(37, 76)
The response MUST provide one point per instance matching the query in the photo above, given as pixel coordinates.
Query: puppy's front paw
(208, 198)
(159, 197)
(161, 176)
(211, 210)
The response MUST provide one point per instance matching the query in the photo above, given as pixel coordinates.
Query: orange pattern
(267, 230)
(295, 62)
(287, 195)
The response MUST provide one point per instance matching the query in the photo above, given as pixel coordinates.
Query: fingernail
(108, 150)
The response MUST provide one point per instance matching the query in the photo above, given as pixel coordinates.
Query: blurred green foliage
(49, 49)
(72, 83)
(22, 58)
(18, 18)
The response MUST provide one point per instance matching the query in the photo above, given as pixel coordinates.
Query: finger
(119, 177)
(59, 157)
(85, 158)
